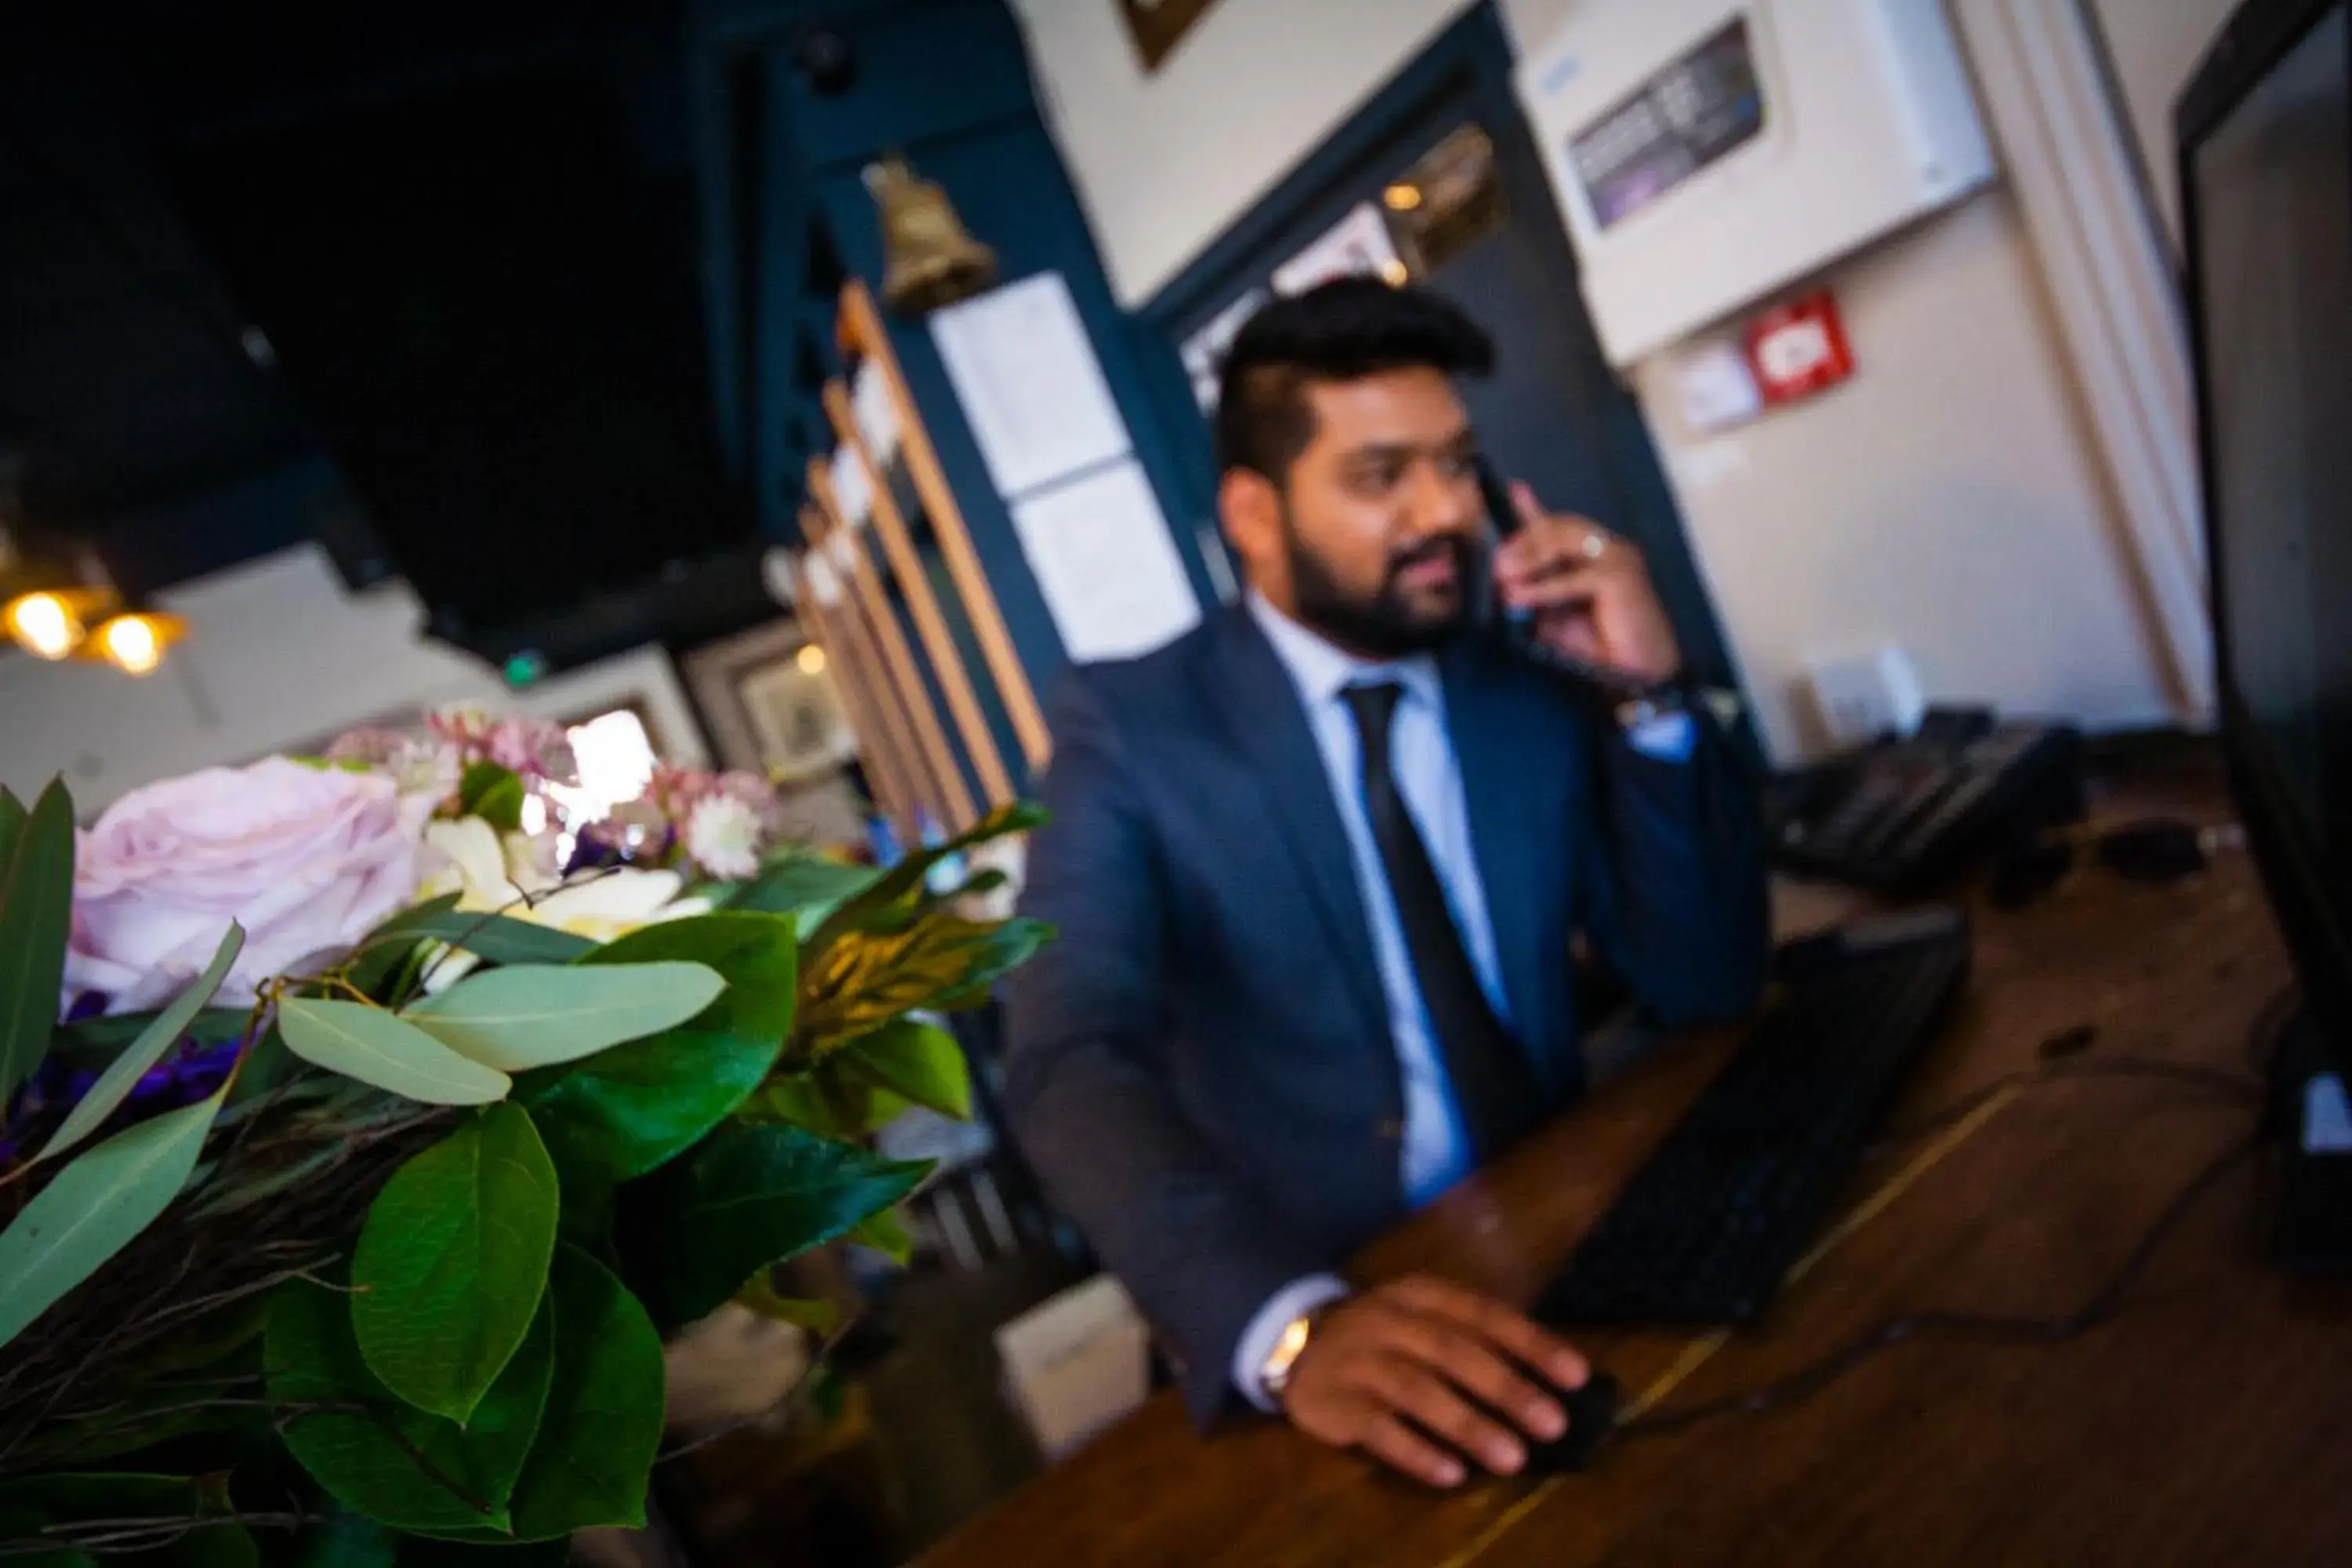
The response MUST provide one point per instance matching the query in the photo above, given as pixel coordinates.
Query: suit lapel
(1257, 700)
(1483, 716)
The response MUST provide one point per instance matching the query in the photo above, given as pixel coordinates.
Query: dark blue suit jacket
(1201, 1069)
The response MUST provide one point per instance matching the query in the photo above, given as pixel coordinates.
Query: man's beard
(1384, 626)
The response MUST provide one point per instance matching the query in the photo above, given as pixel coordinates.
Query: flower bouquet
(360, 1145)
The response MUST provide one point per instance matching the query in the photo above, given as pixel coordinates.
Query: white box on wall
(1709, 152)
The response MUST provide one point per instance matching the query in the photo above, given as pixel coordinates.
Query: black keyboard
(1705, 1230)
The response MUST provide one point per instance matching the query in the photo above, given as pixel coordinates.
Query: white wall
(1946, 498)
(277, 656)
(1163, 162)
(2155, 45)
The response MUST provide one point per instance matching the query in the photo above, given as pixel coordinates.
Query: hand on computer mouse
(1421, 1359)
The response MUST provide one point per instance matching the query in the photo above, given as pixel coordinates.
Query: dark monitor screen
(2269, 182)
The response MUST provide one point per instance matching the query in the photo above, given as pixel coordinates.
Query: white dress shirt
(1435, 1152)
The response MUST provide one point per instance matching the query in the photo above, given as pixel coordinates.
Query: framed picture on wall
(772, 704)
(1158, 25)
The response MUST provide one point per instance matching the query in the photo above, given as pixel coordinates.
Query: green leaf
(937, 960)
(827, 1101)
(904, 881)
(629, 1109)
(818, 1316)
(805, 886)
(533, 1016)
(493, 794)
(346, 1541)
(595, 1454)
(383, 950)
(93, 1207)
(109, 1035)
(36, 851)
(115, 1084)
(375, 1047)
(749, 1196)
(502, 939)
(920, 1061)
(387, 1460)
(887, 1233)
(453, 1260)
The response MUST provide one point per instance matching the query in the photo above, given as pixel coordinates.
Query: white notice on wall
(877, 418)
(1357, 243)
(851, 493)
(1030, 384)
(1203, 352)
(1103, 557)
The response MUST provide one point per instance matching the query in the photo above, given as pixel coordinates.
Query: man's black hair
(1344, 330)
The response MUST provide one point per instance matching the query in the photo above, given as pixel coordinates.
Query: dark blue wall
(947, 83)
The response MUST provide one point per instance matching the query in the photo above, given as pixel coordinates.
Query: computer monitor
(2265, 149)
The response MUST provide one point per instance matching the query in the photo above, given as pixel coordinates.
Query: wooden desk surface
(2211, 1423)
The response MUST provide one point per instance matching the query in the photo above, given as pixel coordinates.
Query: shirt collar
(1322, 671)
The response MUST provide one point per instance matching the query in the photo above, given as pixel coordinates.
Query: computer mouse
(1592, 1418)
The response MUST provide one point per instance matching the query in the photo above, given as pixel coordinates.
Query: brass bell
(928, 259)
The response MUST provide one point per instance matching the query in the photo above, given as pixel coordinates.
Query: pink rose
(306, 860)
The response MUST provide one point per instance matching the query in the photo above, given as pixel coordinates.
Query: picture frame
(770, 703)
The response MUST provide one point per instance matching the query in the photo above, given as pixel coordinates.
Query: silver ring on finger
(1596, 544)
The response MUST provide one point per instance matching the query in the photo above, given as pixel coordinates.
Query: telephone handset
(1517, 627)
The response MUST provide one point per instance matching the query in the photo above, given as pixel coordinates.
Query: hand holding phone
(1575, 595)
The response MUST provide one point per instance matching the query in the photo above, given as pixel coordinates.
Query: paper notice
(1103, 557)
(1030, 384)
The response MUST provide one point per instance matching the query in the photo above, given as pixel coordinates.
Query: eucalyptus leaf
(626, 1110)
(93, 1207)
(412, 921)
(383, 950)
(808, 887)
(377, 1048)
(917, 1061)
(749, 1196)
(452, 1262)
(593, 1458)
(533, 1016)
(387, 1460)
(122, 1075)
(503, 940)
(37, 854)
(106, 1035)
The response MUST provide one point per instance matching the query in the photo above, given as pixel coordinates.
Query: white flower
(492, 877)
(722, 835)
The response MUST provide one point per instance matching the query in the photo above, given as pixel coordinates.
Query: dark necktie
(1493, 1084)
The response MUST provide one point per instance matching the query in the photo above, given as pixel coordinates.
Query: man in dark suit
(1318, 869)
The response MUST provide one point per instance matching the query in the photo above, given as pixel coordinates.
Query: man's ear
(1250, 511)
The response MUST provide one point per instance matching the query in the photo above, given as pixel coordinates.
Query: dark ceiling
(157, 413)
(123, 379)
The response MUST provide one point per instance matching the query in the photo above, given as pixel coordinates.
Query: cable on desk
(2231, 1085)
(2102, 1306)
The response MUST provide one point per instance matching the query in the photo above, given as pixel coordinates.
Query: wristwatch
(1661, 699)
(1283, 1360)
